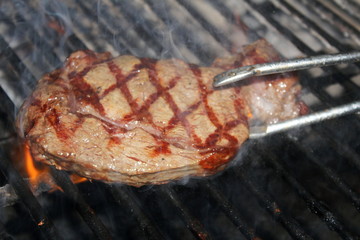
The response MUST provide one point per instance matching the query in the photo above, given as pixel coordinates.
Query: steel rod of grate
(125, 44)
(290, 224)
(22, 190)
(221, 38)
(230, 210)
(350, 155)
(126, 198)
(313, 204)
(265, 14)
(148, 30)
(331, 174)
(203, 53)
(41, 44)
(314, 25)
(24, 13)
(192, 223)
(140, 36)
(86, 212)
(352, 90)
(72, 42)
(10, 86)
(156, 27)
(342, 16)
(354, 4)
(44, 58)
(9, 56)
(330, 101)
(320, 16)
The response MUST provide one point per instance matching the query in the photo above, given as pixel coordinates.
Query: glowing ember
(39, 174)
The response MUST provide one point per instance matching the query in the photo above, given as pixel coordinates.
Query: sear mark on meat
(146, 121)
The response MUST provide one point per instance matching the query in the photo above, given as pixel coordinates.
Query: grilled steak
(140, 121)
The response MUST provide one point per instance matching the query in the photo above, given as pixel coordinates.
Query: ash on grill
(301, 184)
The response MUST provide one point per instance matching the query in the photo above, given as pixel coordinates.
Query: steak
(145, 121)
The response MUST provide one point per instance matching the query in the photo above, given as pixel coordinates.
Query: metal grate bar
(45, 56)
(62, 179)
(351, 22)
(41, 44)
(64, 41)
(152, 30)
(193, 224)
(15, 69)
(314, 25)
(221, 38)
(142, 41)
(230, 210)
(22, 190)
(265, 11)
(125, 197)
(290, 224)
(331, 174)
(186, 34)
(318, 85)
(113, 30)
(351, 156)
(314, 205)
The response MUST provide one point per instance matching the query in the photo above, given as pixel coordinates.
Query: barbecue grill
(299, 184)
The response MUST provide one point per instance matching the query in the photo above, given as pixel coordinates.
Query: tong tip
(232, 76)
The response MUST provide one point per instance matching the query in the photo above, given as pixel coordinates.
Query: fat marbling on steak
(144, 121)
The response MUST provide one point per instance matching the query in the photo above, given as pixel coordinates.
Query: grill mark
(121, 81)
(212, 138)
(54, 119)
(138, 112)
(83, 92)
(108, 90)
(111, 130)
(174, 120)
(216, 156)
(78, 123)
(154, 79)
(155, 96)
(162, 148)
(239, 105)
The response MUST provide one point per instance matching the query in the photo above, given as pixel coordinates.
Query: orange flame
(35, 174)
(39, 173)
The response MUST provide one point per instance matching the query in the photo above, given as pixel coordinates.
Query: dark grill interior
(301, 184)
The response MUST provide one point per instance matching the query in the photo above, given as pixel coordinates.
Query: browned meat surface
(141, 121)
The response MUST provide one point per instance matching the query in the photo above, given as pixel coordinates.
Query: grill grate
(303, 184)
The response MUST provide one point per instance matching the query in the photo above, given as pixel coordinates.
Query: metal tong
(242, 73)
(238, 74)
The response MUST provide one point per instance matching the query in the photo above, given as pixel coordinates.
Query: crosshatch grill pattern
(298, 185)
(178, 131)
